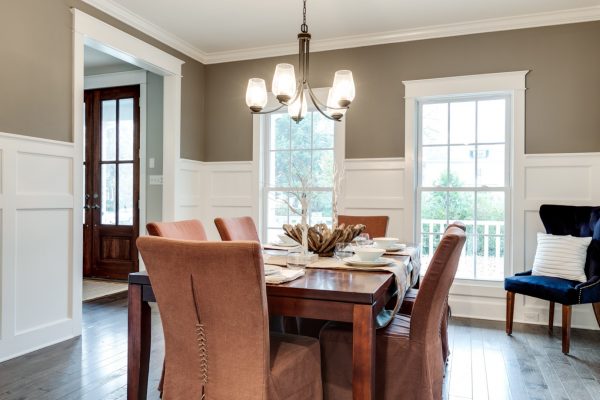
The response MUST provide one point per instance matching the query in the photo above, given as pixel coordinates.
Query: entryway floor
(98, 288)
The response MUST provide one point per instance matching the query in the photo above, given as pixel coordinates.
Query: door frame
(99, 35)
(130, 78)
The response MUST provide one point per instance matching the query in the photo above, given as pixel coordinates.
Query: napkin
(284, 275)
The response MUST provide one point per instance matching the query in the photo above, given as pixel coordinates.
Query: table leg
(138, 346)
(363, 353)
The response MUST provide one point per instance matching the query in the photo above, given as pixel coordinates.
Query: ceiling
(215, 28)
(97, 62)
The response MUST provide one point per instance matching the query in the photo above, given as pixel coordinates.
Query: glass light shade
(284, 82)
(333, 106)
(343, 87)
(256, 94)
(299, 105)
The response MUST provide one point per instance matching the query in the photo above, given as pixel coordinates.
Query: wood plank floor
(484, 364)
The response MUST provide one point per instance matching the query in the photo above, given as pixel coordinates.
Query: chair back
(215, 323)
(458, 224)
(433, 291)
(580, 221)
(376, 226)
(191, 229)
(240, 228)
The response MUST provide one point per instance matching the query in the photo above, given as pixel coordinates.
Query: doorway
(112, 184)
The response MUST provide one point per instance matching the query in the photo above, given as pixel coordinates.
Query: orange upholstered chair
(411, 296)
(240, 228)
(185, 230)
(190, 229)
(211, 350)
(376, 226)
(409, 354)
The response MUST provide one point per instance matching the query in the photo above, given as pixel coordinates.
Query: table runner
(401, 271)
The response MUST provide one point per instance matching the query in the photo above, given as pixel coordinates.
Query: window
(295, 152)
(463, 175)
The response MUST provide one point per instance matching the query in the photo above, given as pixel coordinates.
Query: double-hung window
(297, 157)
(463, 174)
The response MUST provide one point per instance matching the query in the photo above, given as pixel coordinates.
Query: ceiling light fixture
(292, 94)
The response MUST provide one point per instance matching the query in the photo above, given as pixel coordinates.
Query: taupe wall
(563, 95)
(36, 72)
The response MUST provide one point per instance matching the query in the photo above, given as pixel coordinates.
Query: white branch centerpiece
(320, 238)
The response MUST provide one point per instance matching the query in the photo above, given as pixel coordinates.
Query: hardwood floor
(484, 363)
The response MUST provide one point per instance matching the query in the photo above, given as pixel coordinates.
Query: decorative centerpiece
(321, 239)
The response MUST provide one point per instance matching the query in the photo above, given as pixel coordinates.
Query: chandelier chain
(304, 27)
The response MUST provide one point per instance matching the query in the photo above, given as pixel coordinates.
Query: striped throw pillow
(561, 256)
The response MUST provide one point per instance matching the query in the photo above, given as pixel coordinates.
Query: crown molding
(143, 25)
(559, 17)
(406, 35)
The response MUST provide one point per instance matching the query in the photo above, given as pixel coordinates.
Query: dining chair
(408, 351)
(191, 229)
(212, 350)
(238, 228)
(580, 221)
(376, 226)
(411, 295)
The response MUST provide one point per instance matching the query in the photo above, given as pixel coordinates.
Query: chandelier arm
(269, 111)
(316, 104)
(315, 98)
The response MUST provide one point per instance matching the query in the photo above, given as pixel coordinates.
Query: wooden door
(111, 170)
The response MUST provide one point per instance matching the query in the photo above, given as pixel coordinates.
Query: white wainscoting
(569, 179)
(375, 186)
(216, 189)
(40, 269)
(231, 189)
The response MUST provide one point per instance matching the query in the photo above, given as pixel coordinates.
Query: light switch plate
(156, 179)
(151, 162)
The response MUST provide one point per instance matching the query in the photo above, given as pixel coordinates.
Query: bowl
(385, 242)
(368, 253)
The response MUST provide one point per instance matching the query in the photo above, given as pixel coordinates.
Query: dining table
(352, 296)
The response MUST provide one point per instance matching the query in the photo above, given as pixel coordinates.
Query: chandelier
(292, 94)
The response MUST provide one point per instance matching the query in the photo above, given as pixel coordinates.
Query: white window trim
(512, 83)
(259, 136)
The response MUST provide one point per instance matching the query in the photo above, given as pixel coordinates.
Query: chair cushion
(544, 287)
(295, 368)
(561, 256)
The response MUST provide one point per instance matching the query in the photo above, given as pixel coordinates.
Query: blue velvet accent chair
(580, 221)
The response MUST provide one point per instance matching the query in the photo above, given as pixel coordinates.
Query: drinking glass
(342, 250)
(296, 259)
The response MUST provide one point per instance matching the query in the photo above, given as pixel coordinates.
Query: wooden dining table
(335, 295)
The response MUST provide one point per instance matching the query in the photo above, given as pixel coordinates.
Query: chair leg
(551, 319)
(597, 312)
(566, 328)
(510, 310)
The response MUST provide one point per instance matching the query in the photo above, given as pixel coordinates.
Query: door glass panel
(108, 197)
(126, 194)
(109, 130)
(126, 129)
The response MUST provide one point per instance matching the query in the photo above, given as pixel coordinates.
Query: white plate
(271, 270)
(354, 260)
(282, 244)
(396, 247)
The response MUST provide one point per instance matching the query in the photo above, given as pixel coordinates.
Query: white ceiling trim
(143, 25)
(430, 32)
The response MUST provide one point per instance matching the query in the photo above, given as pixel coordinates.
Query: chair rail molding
(40, 270)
